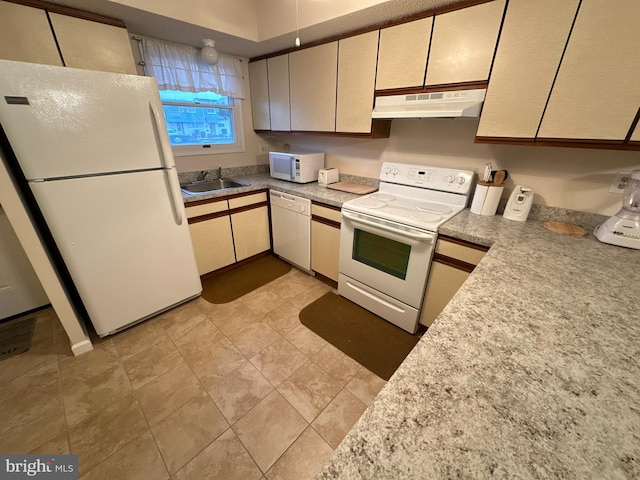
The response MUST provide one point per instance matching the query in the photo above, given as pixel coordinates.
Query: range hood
(456, 103)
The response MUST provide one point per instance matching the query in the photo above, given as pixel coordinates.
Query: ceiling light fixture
(209, 53)
(297, 26)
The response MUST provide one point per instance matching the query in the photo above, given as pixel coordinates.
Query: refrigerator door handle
(176, 198)
(161, 134)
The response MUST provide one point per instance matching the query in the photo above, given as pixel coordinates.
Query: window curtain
(179, 67)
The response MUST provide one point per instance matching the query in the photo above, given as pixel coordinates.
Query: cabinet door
(533, 38)
(25, 35)
(357, 58)
(251, 232)
(596, 94)
(444, 282)
(258, 83)
(463, 44)
(312, 76)
(402, 55)
(279, 104)
(325, 249)
(212, 243)
(93, 45)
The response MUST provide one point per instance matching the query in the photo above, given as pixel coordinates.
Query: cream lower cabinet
(210, 228)
(531, 44)
(227, 230)
(250, 224)
(453, 261)
(596, 93)
(325, 240)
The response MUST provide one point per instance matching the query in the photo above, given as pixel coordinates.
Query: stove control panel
(435, 178)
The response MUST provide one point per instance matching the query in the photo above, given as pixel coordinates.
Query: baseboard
(81, 347)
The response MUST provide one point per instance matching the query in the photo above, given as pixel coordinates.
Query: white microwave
(296, 167)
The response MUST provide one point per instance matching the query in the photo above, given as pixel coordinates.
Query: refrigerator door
(64, 122)
(125, 242)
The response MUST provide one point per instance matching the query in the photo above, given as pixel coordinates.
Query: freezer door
(125, 243)
(64, 122)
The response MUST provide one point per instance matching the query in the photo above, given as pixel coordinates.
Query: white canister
(486, 199)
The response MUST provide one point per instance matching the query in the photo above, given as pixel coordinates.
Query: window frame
(235, 105)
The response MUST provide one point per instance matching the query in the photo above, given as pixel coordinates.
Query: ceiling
(149, 24)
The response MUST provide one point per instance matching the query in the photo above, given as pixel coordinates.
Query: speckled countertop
(531, 371)
(257, 181)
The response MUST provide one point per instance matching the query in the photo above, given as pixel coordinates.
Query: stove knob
(461, 181)
(387, 170)
(450, 178)
(395, 171)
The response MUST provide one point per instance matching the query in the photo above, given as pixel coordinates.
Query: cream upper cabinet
(597, 90)
(25, 35)
(312, 75)
(463, 44)
(357, 58)
(280, 110)
(402, 55)
(92, 45)
(258, 83)
(533, 38)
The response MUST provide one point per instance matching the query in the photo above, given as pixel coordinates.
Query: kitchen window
(202, 103)
(202, 122)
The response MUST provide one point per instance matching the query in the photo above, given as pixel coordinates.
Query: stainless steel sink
(207, 186)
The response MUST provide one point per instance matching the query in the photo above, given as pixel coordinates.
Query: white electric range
(388, 237)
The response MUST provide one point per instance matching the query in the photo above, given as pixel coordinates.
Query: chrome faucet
(202, 175)
(219, 172)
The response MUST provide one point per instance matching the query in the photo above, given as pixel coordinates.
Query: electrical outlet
(620, 182)
(263, 148)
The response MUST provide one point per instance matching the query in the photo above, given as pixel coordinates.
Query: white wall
(573, 178)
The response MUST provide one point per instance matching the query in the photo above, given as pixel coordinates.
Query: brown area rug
(371, 341)
(229, 286)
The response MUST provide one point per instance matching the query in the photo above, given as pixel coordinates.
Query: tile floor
(234, 391)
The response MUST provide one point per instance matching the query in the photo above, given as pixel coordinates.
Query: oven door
(389, 257)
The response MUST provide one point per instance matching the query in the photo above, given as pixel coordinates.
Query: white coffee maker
(624, 228)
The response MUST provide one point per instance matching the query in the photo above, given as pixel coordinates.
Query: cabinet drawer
(207, 208)
(325, 212)
(245, 200)
(458, 251)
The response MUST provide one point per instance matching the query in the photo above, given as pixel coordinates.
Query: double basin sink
(207, 186)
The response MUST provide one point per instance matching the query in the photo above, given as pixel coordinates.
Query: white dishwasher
(291, 228)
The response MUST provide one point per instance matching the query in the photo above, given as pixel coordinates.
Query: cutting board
(352, 188)
(565, 229)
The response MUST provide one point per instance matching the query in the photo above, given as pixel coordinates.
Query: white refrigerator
(92, 148)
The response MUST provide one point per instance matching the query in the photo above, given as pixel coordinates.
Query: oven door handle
(417, 234)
